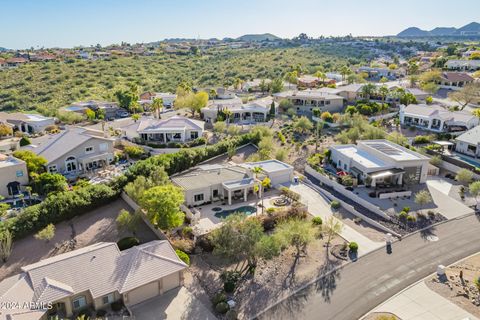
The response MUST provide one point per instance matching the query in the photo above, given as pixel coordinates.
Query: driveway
(449, 207)
(176, 304)
(319, 206)
(420, 303)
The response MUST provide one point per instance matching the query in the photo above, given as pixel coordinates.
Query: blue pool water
(248, 210)
(467, 160)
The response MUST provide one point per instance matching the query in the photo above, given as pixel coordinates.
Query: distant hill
(471, 29)
(258, 37)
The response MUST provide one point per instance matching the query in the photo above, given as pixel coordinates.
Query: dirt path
(92, 227)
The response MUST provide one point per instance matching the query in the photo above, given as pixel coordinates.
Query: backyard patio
(209, 217)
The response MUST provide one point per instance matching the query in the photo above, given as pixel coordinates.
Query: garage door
(280, 178)
(171, 282)
(143, 293)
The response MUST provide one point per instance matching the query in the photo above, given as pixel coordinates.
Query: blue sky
(66, 23)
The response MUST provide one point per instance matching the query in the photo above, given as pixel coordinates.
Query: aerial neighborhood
(242, 178)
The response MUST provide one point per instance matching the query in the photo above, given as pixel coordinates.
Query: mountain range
(471, 29)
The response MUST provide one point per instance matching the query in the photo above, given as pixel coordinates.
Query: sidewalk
(418, 302)
(318, 206)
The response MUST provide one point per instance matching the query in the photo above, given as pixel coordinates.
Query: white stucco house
(174, 129)
(13, 175)
(377, 162)
(26, 122)
(463, 65)
(436, 118)
(326, 99)
(210, 183)
(168, 98)
(252, 112)
(469, 142)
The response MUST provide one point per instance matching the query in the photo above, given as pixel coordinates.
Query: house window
(215, 193)
(88, 149)
(103, 146)
(19, 173)
(79, 302)
(107, 299)
(52, 168)
(193, 135)
(71, 164)
(177, 136)
(198, 197)
(339, 163)
(327, 102)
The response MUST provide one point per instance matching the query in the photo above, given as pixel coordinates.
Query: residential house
(75, 151)
(378, 73)
(256, 111)
(168, 99)
(254, 85)
(351, 92)
(3, 63)
(9, 145)
(174, 129)
(463, 65)
(376, 162)
(223, 93)
(308, 81)
(469, 142)
(454, 80)
(306, 100)
(111, 110)
(436, 118)
(210, 183)
(92, 277)
(13, 175)
(15, 62)
(26, 122)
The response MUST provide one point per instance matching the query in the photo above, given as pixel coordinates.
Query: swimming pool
(466, 159)
(248, 210)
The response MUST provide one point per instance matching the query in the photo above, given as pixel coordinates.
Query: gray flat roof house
(255, 111)
(326, 99)
(26, 122)
(380, 161)
(91, 277)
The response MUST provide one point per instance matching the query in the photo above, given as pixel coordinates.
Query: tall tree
(162, 204)
(157, 106)
(468, 94)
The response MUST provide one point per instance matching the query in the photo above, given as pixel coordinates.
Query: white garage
(142, 293)
(170, 282)
(278, 172)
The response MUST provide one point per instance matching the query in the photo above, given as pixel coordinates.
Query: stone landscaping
(460, 284)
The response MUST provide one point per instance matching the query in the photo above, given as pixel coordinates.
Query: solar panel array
(386, 149)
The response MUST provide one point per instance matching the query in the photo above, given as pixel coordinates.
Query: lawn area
(95, 226)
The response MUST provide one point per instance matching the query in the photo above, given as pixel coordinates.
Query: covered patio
(242, 187)
(386, 178)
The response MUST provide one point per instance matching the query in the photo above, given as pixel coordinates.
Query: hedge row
(62, 206)
(59, 207)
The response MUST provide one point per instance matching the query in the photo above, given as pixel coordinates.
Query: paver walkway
(318, 206)
(448, 206)
(420, 303)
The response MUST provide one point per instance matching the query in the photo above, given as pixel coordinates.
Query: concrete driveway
(176, 304)
(319, 206)
(449, 207)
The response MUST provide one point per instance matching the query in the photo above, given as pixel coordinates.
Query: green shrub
(353, 247)
(422, 139)
(219, 297)
(187, 232)
(231, 315)
(335, 204)
(183, 256)
(25, 141)
(222, 307)
(116, 306)
(317, 221)
(127, 243)
(230, 279)
(403, 216)
(57, 207)
(134, 152)
(406, 209)
(411, 219)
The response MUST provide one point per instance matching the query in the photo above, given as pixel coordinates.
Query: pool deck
(208, 221)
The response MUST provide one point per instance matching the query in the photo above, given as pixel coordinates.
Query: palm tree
(344, 71)
(383, 92)
(157, 106)
(368, 90)
(257, 183)
(321, 75)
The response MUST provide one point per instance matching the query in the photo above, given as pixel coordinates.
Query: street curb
(349, 262)
(415, 283)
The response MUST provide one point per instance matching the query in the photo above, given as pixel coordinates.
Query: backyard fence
(142, 214)
(341, 189)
